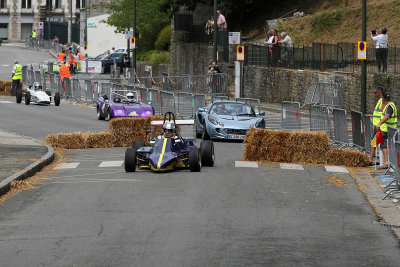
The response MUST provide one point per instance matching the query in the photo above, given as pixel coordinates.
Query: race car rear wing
(177, 122)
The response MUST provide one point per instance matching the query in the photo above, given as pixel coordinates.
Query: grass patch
(155, 57)
(325, 21)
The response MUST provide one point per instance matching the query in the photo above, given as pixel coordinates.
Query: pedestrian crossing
(238, 164)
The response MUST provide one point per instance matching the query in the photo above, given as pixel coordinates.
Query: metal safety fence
(358, 128)
(291, 119)
(340, 128)
(320, 119)
(324, 93)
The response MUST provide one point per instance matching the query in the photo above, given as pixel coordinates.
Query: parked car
(109, 60)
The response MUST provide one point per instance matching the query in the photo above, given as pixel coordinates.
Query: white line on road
(71, 165)
(336, 169)
(6, 102)
(286, 166)
(246, 164)
(105, 164)
(5, 65)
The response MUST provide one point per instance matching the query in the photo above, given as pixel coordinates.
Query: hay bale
(99, 139)
(347, 157)
(266, 145)
(67, 140)
(309, 147)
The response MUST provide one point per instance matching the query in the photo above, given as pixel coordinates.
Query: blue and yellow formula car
(170, 150)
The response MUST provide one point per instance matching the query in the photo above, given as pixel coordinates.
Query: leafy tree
(149, 19)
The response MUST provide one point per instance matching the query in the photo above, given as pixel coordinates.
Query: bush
(325, 21)
(164, 39)
(155, 57)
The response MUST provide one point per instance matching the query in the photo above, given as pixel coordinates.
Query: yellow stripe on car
(162, 153)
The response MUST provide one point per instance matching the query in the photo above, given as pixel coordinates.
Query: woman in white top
(381, 49)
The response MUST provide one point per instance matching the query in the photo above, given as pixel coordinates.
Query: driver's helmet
(130, 96)
(36, 86)
(168, 129)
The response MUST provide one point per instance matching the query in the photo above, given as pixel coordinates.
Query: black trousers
(381, 58)
(15, 83)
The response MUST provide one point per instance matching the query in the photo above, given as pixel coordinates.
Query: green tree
(150, 19)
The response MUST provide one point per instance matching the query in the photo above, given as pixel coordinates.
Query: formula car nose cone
(163, 157)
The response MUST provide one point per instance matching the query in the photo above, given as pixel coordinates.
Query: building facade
(18, 18)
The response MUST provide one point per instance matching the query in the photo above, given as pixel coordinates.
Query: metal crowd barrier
(167, 102)
(185, 104)
(369, 132)
(323, 93)
(394, 186)
(358, 129)
(165, 82)
(67, 88)
(144, 95)
(154, 99)
(200, 101)
(76, 89)
(319, 119)
(253, 102)
(340, 128)
(393, 136)
(291, 118)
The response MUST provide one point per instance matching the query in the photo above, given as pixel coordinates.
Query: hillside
(332, 22)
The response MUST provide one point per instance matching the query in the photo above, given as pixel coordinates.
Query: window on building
(26, 3)
(80, 3)
(48, 4)
(3, 3)
(57, 3)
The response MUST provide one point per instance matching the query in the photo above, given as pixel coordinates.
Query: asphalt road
(94, 214)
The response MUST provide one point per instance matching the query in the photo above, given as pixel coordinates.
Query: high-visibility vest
(64, 72)
(17, 72)
(33, 34)
(392, 121)
(71, 59)
(80, 56)
(61, 57)
(376, 117)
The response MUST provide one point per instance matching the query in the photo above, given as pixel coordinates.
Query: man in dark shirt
(213, 69)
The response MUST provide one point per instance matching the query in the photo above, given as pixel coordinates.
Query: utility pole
(70, 22)
(134, 36)
(215, 31)
(364, 62)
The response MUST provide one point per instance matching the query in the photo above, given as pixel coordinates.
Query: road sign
(85, 49)
(41, 25)
(362, 50)
(240, 53)
(234, 38)
(133, 43)
(128, 34)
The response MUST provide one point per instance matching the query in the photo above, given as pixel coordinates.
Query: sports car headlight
(215, 121)
(260, 124)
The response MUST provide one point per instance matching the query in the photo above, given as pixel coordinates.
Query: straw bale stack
(67, 140)
(308, 147)
(5, 87)
(347, 157)
(99, 139)
(267, 145)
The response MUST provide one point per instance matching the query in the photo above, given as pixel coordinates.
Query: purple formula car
(122, 103)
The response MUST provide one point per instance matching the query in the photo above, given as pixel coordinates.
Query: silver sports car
(227, 119)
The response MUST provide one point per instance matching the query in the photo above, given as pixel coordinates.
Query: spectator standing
(273, 47)
(222, 27)
(215, 79)
(210, 29)
(34, 34)
(388, 118)
(61, 58)
(16, 77)
(56, 40)
(287, 47)
(112, 51)
(126, 61)
(381, 50)
(376, 118)
(213, 68)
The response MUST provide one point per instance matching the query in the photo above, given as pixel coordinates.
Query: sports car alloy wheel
(99, 114)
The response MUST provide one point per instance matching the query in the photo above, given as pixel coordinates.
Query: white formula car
(36, 94)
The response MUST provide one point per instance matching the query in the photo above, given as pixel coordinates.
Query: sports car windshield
(234, 109)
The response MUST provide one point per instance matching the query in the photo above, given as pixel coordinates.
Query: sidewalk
(20, 158)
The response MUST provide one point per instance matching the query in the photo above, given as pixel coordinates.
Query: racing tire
(99, 117)
(137, 144)
(205, 135)
(207, 153)
(48, 93)
(27, 98)
(57, 99)
(130, 160)
(19, 96)
(108, 115)
(194, 160)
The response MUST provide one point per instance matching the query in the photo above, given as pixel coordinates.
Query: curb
(28, 171)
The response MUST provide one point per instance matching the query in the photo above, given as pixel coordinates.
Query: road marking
(106, 164)
(96, 181)
(5, 65)
(246, 164)
(71, 165)
(287, 166)
(6, 102)
(336, 169)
